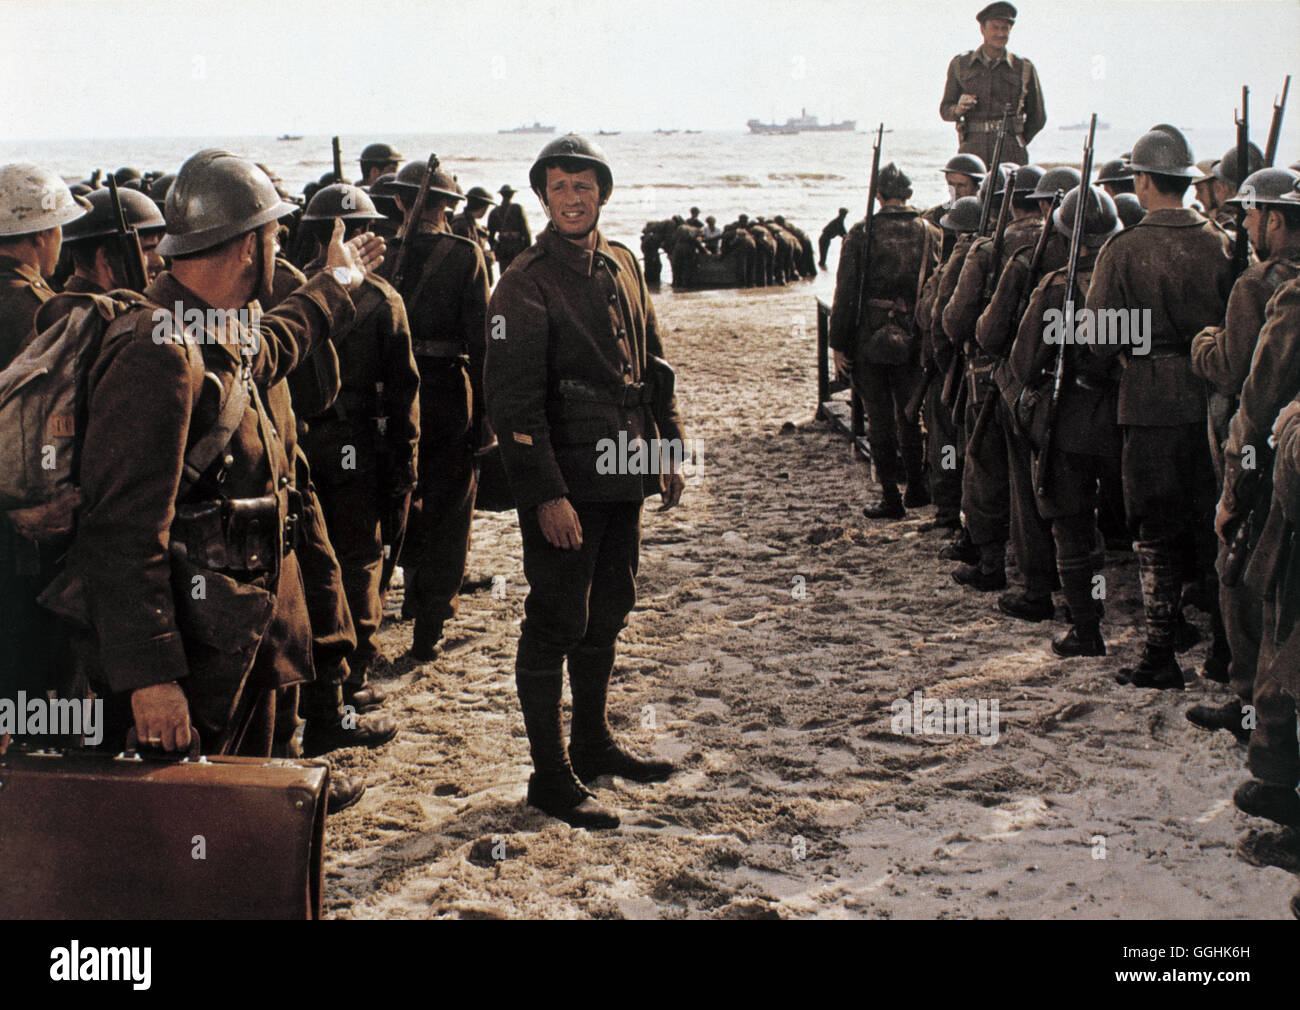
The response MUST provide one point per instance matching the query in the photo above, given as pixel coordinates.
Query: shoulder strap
(441, 250)
(211, 445)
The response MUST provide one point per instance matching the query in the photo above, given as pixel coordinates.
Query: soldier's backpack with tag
(43, 396)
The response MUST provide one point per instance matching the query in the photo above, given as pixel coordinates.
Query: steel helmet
(341, 200)
(1100, 218)
(379, 154)
(963, 215)
(967, 164)
(999, 179)
(34, 199)
(1205, 170)
(1163, 151)
(1130, 209)
(141, 213)
(411, 175)
(1115, 170)
(571, 147)
(159, 187)
(480, 194)
(1027, 179)
(216, 197)
(1228, 170)
(1267, 187)
(1063, 178)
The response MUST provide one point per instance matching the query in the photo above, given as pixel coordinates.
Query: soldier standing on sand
(1175, 265)
(876, 340)
(168, 658)
(445, 288)
(508, 228)
(466, 224)
(982, 82)
(571, 370)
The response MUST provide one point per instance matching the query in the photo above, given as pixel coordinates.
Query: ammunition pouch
(1032, 414)
(237, 536)
(890, 342)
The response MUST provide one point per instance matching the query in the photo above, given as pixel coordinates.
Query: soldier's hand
(559, 523)
(162, 716)
(1221, 519)
(1288, 412)
(965, 103)
(841, 363)
(672, 494)
(47, 521)
(356, 256)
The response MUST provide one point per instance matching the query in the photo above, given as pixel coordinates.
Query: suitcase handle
(156, 754)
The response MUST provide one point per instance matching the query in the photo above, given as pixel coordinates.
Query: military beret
(1004, 11)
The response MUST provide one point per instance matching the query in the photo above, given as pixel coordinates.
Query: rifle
(999, 237)
(913, 409)
(1256, 492)
(1275, 127)
(955, 393)
(127, 240)
(1071, 281)
(1241, 250)
(871, 216)
(1036, 261)
(412, 224)
(338, 161)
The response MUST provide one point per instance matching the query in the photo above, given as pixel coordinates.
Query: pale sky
(108, 68)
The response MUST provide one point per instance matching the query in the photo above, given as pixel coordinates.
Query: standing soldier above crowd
(873, 337)
(983, 82)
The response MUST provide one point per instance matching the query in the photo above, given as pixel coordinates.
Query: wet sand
(795, 798)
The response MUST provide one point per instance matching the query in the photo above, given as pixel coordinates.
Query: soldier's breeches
(352, 516)
(985, 485)
(1242, 619)
(982, 144)
(896, 447)
(333, 636)
(438, 539)
(579, 599)
(1168, 482)
(1274, 754)
(1031, 535)
(946, 451)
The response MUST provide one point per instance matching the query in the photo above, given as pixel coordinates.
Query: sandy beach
(775, 626)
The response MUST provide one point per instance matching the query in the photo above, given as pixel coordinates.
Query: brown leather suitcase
(85, 835)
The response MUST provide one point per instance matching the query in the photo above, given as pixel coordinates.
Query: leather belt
(990, 126)
(632, 394)
(437, 348)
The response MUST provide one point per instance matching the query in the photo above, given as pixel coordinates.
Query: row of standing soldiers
(362, 419)
(1149, 427)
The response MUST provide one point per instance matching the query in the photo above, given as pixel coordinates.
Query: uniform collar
(9, 265)
(575, 258)
(169, 293)
(1008, 57)
(1172, 217)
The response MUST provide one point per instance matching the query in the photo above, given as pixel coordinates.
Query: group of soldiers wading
(1044, 432)
(752, 253)
(260, 440)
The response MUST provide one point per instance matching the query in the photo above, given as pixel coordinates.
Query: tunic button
(622, 334)
(284, 481)
(613, 299)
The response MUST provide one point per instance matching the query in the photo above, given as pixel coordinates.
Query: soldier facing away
(982, 82)
(507, 227)
(572, 370)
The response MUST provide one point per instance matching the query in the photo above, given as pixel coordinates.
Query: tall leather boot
(1084, 637)
(1162, 589)
(592, 748)
(890, 505)
(553, 788)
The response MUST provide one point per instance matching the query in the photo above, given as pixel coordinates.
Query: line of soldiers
(761, 252)
(252, 442)
(363, 418)
(1056, 425)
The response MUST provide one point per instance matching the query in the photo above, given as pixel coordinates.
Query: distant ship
(802, 123)
(535, 128)
(286, 136)
(666, 133)
(608, 133)
(1083, 126)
